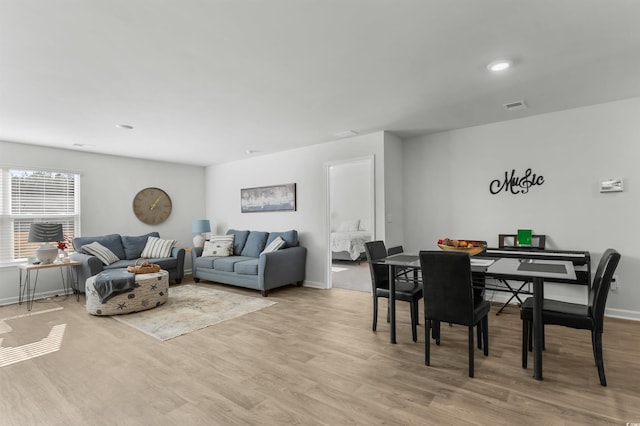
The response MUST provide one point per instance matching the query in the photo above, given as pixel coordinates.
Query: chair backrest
(510, 240)
(601, 285)
(376, 250)
(395, 250)
(448, 291)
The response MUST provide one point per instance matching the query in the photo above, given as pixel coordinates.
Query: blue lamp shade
(200, 226)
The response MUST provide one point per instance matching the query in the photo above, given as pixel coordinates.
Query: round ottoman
(152, 290)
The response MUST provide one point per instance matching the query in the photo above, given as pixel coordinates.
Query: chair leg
(414, 320)
(435, 331)
(526, 339)
(375, 313)
(479, 335)
(596, 338)
(485, 335)
(427, 341)
(471, 351)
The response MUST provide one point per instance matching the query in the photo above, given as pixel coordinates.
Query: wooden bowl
(478, 247)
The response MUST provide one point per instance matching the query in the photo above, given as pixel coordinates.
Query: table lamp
(45, 233)
(200, 226)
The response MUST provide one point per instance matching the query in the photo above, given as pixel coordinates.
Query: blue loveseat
(249, 267)
(128, 250)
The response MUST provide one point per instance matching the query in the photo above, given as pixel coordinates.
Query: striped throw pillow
(105, 255)
(274, 245)
(222, 238)
(157, 248)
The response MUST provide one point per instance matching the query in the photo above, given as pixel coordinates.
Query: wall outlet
(614, 283)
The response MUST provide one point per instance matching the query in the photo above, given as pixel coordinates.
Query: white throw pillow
(217, 248)
(274, 245)
(349, 225)
(157, 248)
(105, 255)
(222, 238)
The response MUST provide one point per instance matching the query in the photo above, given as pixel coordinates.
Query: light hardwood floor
(311, 359)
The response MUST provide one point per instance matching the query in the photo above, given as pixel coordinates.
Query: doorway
(351, 214)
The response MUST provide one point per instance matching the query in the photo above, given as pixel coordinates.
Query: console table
(27, 294)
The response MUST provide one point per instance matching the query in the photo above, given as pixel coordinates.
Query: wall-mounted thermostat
(611, 185)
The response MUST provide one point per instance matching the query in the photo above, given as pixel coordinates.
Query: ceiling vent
(515, 106)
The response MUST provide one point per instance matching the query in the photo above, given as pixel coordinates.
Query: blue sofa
(128, 250)
(249, 267)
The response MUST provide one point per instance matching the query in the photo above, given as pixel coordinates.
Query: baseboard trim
(314, 284)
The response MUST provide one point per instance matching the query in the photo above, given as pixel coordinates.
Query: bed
(347, 242)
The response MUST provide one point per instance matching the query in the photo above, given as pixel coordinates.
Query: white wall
(307, 168)
(393, 190)
(447, 178)
(108, 185)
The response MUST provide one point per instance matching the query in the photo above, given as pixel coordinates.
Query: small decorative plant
(66, 243)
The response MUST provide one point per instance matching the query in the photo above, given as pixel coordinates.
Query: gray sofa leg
(299, 283)
(265, 293)
(178, 280)
(197, 280)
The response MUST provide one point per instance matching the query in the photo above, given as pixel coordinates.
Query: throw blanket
(112, 282)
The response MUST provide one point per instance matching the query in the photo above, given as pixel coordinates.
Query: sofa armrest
(89, 266)
(196, 252)
(178, 253)
(286, 266)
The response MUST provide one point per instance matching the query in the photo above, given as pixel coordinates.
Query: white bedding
(351, 241)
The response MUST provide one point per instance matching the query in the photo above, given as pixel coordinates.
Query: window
(30, 196)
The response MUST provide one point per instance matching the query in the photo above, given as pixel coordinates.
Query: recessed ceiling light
(499, 65)
(83, 145)
(251, 151)
(124, 126)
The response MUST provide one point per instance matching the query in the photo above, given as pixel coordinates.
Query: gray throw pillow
(96, 249)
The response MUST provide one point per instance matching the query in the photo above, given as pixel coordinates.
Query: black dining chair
(406, 290)
(448, 297)
(574, 315)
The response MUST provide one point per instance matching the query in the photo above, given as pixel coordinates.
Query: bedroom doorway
(351, 222)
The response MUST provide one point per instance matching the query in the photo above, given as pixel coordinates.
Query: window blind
(30, 196)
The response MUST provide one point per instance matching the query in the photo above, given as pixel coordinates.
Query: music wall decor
(516, 184)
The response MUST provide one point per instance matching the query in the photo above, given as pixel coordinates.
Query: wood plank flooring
(311, 359)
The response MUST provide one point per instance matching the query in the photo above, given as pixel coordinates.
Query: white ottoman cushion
(152, 291)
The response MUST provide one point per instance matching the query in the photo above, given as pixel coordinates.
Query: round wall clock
(152, 206)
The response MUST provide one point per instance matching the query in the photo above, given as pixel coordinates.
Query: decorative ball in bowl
(471, 247)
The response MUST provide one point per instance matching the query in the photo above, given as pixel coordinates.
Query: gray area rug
(191, 308)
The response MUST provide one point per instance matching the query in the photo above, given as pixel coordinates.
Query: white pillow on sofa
(218, 248)
(157, 248)
(274, 245)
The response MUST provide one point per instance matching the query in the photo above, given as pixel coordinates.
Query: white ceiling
(204, 81)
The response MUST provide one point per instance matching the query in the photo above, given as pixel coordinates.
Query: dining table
(535, 270)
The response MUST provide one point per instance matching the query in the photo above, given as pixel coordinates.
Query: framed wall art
(268, 198)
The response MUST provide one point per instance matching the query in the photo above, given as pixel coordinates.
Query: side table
(68, 282)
